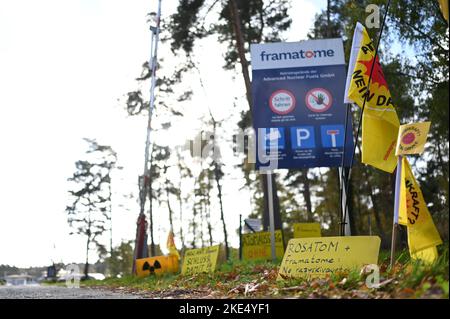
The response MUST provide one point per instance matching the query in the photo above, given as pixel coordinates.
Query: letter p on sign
(302, 134)
(302, 137)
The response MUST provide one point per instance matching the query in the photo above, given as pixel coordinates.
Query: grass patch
(257, 279)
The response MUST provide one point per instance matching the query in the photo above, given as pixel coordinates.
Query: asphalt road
(53, 292)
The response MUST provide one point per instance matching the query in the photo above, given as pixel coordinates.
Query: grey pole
(271, 216)
(143, 190)
(398, 182)
(153, 60)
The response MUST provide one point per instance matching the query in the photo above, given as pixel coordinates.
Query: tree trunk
(181, 217)
(360, 224)
(86, 266)
(194, 228)
(180, 201)
(234, 13)
(378, 219)
(328, 19)
(222, 216)
(194, 215)
(202, 220)
(208, 212)
(307, 194)
(110, 222)
(89, 233)
(444, 167)
(351, 214)
(152, 242)
(169, 207)
(210, 233)
(349, 200)
(237, 28)
(376, 210)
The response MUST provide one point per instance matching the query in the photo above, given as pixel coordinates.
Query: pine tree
(89, 211)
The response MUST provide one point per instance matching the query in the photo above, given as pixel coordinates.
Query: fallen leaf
(408, 291)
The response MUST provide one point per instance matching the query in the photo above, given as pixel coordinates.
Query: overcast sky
(64, 69)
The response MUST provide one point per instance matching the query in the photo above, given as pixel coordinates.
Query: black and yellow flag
(423, 236)
(380, 122)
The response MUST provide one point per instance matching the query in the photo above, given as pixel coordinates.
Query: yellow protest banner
(380, 121)
(157, 265)
(377, 97)
(319, 257)
(200, 260)
(378, 142)
(414, 214)
(257, 245)
(427, 255)
(306, 230)
(412, 138)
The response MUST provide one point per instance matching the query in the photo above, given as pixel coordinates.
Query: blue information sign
(298, 94)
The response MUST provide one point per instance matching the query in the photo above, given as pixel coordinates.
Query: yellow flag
(378, 143)
(380, 121)
(444, 8)
(378, 97)
(414, 214)
(428, 255)
(412, 138)
(171, 245)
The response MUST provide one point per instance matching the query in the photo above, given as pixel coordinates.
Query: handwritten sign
(200, 260)
(306, 230)
(257, 245)
(322, 256)
(157, 265)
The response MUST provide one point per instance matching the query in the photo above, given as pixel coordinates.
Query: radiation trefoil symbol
(151, 268)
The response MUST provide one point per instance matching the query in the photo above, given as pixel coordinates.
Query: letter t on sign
(333, 134)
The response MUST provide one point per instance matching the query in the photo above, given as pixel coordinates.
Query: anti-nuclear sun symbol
(377, 74)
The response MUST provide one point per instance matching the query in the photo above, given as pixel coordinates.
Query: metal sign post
(398, 182)
(271, 216)
(345, 217)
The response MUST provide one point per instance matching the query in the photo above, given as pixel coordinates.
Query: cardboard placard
(200, 260)
(256, 246)
(307, 230)
(319, 257)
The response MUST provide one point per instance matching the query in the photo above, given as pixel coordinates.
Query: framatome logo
(295, 55)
